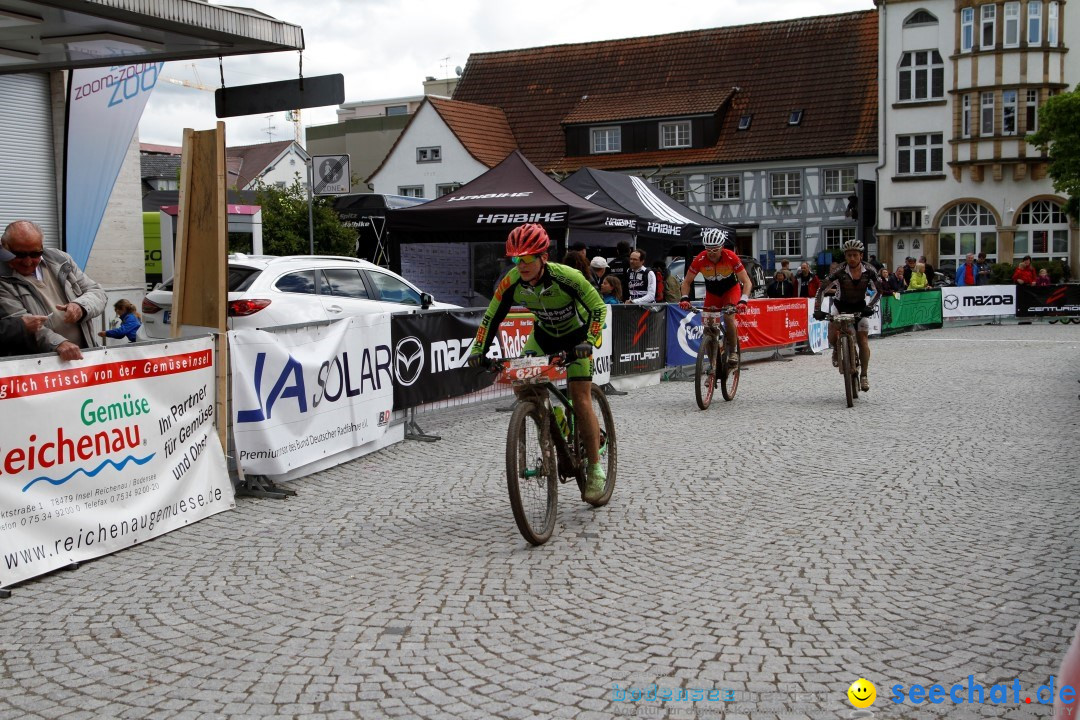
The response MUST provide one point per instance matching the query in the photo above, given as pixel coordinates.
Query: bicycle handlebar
(726, 310)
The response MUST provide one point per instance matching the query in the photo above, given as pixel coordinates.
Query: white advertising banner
(826, 305)
(302, 396)
(978, 301)
(104, 453)
(104, 108)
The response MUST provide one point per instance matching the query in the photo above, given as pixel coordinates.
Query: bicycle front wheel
(531, 477)
(609, 448)
(845, 369)
(729, 383)
(705, 371)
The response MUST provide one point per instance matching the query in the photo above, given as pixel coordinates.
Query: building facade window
(1034, 22)
(606, 140)
(919, 154)
(726, 187)
(785, 184)
(1031, 111)
(675, 135)
(967, 29)
(675, 187)
(920, 17)
(835, 237)
(446, 189)
(1042, 231)
(1008, 112)
(965, 116)
(429, 154)
(1052, 24)
(986, 127)
(922, 76)
(787, 243)
(397, 110)
(966, 228)
(988, 27)
(905, 219)
(1011, 38)
(416, 191)
(839, 181)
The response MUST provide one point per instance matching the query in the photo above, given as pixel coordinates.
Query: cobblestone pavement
(778, 547)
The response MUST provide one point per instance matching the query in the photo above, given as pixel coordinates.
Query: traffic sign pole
(310, 223)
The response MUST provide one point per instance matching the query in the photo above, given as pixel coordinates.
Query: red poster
(513, 332)
(767, 323)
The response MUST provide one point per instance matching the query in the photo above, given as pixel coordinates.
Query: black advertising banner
(1047, 301)
(639, 334)
(429, 355)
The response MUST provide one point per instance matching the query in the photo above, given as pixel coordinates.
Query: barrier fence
(135, 453)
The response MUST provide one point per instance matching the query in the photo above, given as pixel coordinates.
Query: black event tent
(659, 217)
(509, 194)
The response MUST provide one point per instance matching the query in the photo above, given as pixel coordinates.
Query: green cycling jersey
(563, 302)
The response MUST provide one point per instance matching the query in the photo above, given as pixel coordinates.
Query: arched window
(920, 17)
(1042, 231)
(966, 228)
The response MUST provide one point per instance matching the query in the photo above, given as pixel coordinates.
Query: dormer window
(675, 135)
(744, 122)
(795, 117)
(606, 139)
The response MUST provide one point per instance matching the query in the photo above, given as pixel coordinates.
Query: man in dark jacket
(780, 287)
(620, 266)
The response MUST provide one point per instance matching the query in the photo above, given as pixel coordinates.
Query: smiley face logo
(862, 693)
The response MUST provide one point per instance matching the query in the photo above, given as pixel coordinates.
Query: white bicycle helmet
(852, 245)
(714, 237)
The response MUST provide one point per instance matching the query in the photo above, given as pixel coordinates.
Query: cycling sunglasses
(525, 259)
(27, 253)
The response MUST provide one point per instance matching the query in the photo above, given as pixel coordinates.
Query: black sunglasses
(27, 253)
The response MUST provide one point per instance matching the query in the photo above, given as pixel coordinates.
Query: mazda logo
(951, 302)
(408, 360)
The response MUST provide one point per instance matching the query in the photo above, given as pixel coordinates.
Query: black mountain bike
(713, 365)
(848, 354)
(545, 446)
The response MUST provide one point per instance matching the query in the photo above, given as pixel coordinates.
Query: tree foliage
(285, 222)
(1059, 137)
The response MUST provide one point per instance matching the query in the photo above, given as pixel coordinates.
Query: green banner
(922, 307)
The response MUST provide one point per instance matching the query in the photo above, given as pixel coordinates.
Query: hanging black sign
(279, 96)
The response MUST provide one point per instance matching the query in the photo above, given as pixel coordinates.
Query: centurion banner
(978, 301)
(99, 454)
(104, 108)
(303, 396)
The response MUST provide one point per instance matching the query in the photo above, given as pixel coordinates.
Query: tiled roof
(245, 162)
(160, 166)
(825, 66)
(621, 106)
(483, 130)
(160, 149)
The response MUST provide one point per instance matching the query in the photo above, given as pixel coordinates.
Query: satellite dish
(457, 71)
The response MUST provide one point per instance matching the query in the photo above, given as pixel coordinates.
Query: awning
(40, 35)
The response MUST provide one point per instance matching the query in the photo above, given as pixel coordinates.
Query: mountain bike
(713, 366)
(545, 446)
(848, 354)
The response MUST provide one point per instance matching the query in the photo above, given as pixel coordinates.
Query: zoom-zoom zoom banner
(107, 452)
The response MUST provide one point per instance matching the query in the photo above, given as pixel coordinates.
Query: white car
(266, 291)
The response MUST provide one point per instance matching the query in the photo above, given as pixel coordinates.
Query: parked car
(265, 291)
(753, 269)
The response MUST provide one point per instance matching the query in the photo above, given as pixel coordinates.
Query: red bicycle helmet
(528, 239)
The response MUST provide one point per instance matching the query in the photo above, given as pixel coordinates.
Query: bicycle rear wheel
(729, 380)
(609, 448)
(845, 369)
(531, 477)
(705, 371)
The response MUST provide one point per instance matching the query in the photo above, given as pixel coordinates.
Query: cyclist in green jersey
(569, 317)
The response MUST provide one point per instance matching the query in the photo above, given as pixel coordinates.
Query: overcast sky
(385, 48)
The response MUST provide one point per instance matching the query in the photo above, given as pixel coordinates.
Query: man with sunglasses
(569, 317)
(37, 281)
(726, 283)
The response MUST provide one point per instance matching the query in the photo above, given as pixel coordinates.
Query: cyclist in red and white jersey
(726, 281)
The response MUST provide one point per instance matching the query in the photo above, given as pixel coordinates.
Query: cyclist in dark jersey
(569, 317)
(854, 278)
(726, 283)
